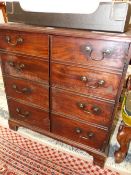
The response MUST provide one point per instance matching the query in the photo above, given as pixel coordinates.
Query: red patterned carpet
(21, 156)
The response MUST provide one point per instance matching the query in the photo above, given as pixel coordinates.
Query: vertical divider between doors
(50, 98)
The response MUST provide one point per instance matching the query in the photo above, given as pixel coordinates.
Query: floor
(123, 168)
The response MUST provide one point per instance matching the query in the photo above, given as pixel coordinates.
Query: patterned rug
(22, 156)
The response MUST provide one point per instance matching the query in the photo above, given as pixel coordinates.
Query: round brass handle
(90, 135)
(84, 78)
(107, 52)
(88, 49)
(22, 114)
(11, 63)
(78, 130)
(18, 41)
(101, 82)
(104, 53)
(21, 65)
(18, 67)
(81, 105)
(23, 90)
(96, 109)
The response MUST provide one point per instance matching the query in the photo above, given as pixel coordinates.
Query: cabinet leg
(12, 125)
(100, 161)
(123, 138)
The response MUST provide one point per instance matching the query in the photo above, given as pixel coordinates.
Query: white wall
(61, 6)
(1, 17)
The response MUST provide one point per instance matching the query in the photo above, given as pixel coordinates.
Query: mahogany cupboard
(64, 83)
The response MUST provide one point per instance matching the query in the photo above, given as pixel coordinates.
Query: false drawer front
(28, 114)
(35, 44)
(79, 132)
(89, 51)
(85, 81)
(25, 67)
(81, 107)
(28, 91)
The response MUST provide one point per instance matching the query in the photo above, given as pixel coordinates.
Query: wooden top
(69, 32)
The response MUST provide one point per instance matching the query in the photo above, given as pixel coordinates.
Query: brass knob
(7, 38)
(90, 135)
(23, 90)
(22, 66)
(19, 67)
(78, 130)
(24, 114)
(81, 105)
(11, 63)
(16, 66)
(88, 49)
(84, 78)
(20, 40)
(101, 82)
(17, 110)
(107, 52)
(14, 86)
(17, 42)
(96, 109)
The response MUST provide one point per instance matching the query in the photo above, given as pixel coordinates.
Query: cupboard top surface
(69, 32)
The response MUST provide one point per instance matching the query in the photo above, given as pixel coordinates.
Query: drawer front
(89, 51)
(85, 81)
(35, 44)
(25, 67)
(79, 132)
(30, 115)
(81, 107)
(28, 91)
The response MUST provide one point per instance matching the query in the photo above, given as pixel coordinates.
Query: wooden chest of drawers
(64, 83)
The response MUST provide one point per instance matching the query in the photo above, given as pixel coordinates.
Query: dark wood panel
(85, 81)
(79, 132)
(25, 67)
(33, 116)
(81, 107)
(28, 91)
(99, 157)
(89, 51)
(34, 44)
